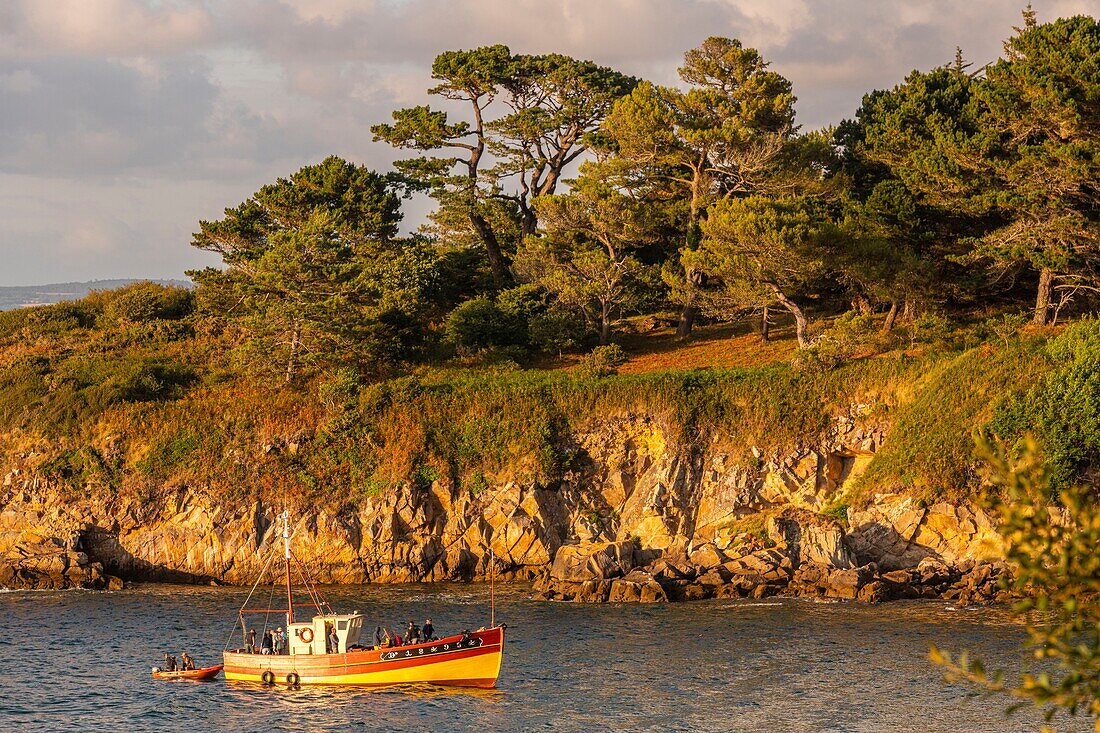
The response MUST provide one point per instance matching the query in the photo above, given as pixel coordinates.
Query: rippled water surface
(80, 661)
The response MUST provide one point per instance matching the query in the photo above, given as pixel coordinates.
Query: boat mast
(286, 556)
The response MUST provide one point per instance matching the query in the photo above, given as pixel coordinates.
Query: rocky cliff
(639, 516)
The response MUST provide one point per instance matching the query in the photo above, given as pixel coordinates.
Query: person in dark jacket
(378, 636)
(412, 634)
(169, 663)
(188, 662)
(252, 641)
(268, 644)
(428, 632)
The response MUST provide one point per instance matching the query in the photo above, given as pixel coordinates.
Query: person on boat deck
(333, 642)
(280, 641)
(169, 663)
(412, 634)
(428, 632)
(188, 662)
(378, 636)
(252, 641)
(267, 643)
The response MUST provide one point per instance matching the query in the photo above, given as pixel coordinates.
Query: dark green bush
(556, 331)
(1062, 409)
(22, 385)
(46, 320)
(481, 324)
(602, 361)
(145, 301)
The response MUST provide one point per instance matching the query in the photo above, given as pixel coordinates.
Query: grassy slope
(136, 406)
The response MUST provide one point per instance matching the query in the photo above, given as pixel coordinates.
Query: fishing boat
(327, 648)
(206, 673)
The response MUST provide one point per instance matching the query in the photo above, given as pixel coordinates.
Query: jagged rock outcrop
(897, 532)
(34, 562)
(637, 517)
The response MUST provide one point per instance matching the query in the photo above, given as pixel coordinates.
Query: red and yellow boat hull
(453, 661)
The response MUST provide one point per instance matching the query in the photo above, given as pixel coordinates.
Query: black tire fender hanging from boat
(268, 677)
(293, 679)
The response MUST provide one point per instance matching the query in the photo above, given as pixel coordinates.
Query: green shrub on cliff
(1062, 408)
(29, 324)
(603, 361)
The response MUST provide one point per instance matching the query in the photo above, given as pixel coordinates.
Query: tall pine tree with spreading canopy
(547, 107)
(726, 135)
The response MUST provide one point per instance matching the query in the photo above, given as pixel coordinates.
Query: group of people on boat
(384, 639)
(272, 642)
(277, 641)
(186, 663)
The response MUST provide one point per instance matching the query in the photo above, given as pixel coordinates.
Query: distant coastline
(26, 296)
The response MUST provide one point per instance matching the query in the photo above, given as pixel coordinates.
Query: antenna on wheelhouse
(492, 590)
(286, 556)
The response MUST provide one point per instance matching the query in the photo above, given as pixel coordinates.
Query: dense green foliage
(943, 198)
(1062, 409)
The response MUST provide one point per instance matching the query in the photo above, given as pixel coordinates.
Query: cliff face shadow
(102, 545)
(885, 546)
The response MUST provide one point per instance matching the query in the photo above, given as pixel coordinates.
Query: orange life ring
(305, 634)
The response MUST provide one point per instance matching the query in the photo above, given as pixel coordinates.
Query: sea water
(80, 661)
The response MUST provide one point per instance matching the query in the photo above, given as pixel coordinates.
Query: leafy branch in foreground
(1052, 543)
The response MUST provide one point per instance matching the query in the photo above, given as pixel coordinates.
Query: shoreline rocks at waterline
(810, 561)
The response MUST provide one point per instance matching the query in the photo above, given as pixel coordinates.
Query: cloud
(56, 229)
(79, 116)
(122, 122)
(103, 27)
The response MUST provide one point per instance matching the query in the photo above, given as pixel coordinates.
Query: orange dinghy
(206, 673)
(326, 649)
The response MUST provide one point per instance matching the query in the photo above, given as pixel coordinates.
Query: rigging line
(267, 614)
(315, 596)
(255, 585)
(305, 582)
(322, 602)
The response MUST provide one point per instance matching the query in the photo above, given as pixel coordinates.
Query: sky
(125, 122)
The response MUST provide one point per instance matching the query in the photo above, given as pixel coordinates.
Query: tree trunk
(497, 261)
(605, 330)
(689, 312)
(908, 310)
(529, 223)
(292, 359)
(891, 316)
(799, 317)
(1042, 297)
(687, 321)
(764, 325)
